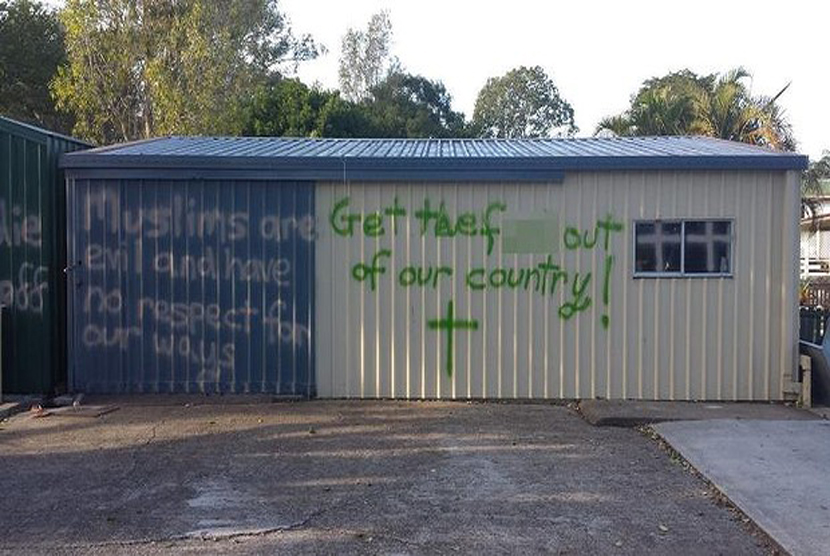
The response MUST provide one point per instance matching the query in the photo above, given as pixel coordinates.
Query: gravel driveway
(349, 477)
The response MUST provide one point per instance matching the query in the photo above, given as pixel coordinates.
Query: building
(815, 247)
(815, 234)
(645, 268)
(32, 258)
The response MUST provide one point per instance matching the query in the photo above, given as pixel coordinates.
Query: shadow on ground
(341, 477)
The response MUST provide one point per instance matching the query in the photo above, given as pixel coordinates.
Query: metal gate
(191, 286)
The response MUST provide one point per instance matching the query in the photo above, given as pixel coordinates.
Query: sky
(597, 52)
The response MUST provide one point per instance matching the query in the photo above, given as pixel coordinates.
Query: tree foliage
(31, 49)
(289, 108)
(522, 103)
(402, 105)
(139, 68)
(412, 106)
(285, 108)
(815, 184)
(729, 110)
(817, 172)
(684, 103)
(663, 106)
(364, 57)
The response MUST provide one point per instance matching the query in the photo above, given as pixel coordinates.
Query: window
(708, 247)
(658, 247)
(683, 248)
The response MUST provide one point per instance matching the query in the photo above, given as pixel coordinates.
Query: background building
(32, 257)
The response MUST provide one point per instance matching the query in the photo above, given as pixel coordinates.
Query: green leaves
(815, 186)
(684, 103)
(31, 49)
(406, 105)
(139, 68)
(287, 107)
(522, 103)
(402, 105)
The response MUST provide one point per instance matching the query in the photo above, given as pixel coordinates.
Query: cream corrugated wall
(666, 338)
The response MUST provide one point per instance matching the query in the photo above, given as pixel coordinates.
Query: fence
(811, 267)
(816, 292)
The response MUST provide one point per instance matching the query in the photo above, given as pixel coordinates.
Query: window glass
(657, 247)
(708, 247)
(684, 247)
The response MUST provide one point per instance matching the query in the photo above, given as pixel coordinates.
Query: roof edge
(32, 131)
(383, 166)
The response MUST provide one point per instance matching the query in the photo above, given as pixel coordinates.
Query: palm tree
(620, 126)
(662, 106)
(683, 103)
(729, 111)
(664, 111)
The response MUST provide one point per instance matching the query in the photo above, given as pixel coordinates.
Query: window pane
(696, 257)
(708, 247)
(645, 258)
(723, 253)
(657, 247)
(670, 243)
(723, 227)
(695, 228)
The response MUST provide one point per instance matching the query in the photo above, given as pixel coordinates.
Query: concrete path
(333, 477)
(777, 472)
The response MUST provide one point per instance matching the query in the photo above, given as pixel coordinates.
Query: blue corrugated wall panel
(191, 286)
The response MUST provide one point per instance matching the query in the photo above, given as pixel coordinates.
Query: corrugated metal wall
(511, 290)
(192, 286)
(32, 257)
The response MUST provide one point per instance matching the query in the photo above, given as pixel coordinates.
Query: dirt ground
(334, 477)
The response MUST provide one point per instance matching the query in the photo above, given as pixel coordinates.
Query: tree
(138, 68)
(31, 49)
(662, 106)
(285, 108)
(522, 103)
(364, 57)
(405, 105)
(684, 103)
(288, 107)
(402, 105)
(341, 118)
(728, 110)
(815, 186)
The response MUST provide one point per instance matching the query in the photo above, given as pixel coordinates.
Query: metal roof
(428, 159)
(35, 133)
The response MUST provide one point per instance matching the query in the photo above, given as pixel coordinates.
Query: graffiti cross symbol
(450, 324)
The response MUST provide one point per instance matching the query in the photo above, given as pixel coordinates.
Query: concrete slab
(775, 471)
(17, 403)
(350, 477)
(631, 413)
(10, 408)
(65, 400)
(88, 411)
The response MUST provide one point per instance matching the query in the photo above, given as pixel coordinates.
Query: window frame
(682, 273)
